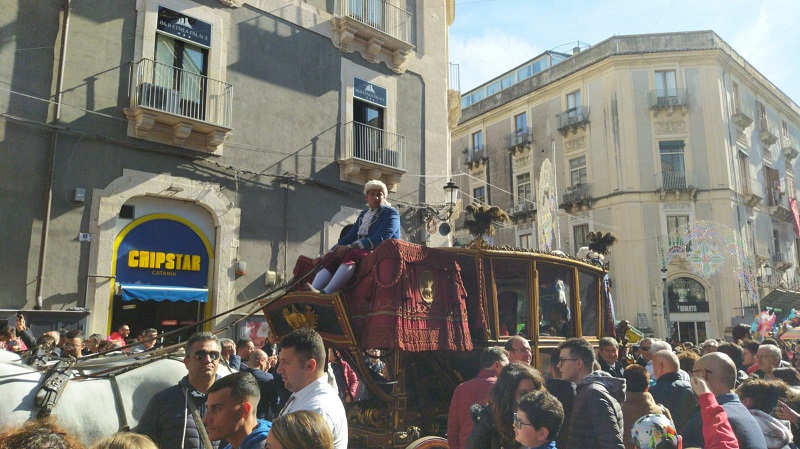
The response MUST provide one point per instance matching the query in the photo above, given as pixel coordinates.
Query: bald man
(258, 365)
(718, 370)
(671, 390)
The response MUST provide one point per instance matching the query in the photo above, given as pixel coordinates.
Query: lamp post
(666, 302)
(450, 195)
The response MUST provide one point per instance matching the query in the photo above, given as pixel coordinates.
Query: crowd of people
(264, 402)
(651, 395)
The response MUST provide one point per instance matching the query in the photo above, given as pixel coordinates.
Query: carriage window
(589, 285)
(511, 280)
(555, 297)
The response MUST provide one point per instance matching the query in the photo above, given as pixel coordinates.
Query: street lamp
(450, 195)
(666, 302)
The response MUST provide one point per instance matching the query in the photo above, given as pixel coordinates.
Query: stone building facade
(674, 143)
(165, 161)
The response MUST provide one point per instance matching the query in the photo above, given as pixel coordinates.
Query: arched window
(686, 295)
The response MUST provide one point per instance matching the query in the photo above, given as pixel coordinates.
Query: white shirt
(320, 397)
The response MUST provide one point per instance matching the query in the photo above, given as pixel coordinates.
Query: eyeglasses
(644, 348)
(518, 424)
(201, 354)
(523, 349)
(702, 370)
(759, 357)
(566, 360)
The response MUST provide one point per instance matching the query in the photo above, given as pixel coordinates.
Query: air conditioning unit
(160, 97)
(519, 208)
(673, 101)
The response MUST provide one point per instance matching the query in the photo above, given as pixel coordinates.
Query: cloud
(481, 58)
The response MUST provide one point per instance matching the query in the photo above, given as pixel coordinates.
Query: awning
(781, 301)
(142, 292)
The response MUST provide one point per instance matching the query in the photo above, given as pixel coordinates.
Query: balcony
(454, 96)
(476, 156)
(576, 197)
(572, 119)
(518, 140)
(782, 261)
(668, 100)
(767, 136)
(679, 183)
(371, 153)
(778, 203)
(742, 120)
(378, 30)
(789, 149)
(178, 107)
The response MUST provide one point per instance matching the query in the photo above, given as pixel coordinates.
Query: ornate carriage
(431, 311)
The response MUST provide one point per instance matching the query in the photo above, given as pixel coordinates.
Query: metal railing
(378, 14)
(667, 98)
(374, 145)
(475, 154)
(169, 89)
(518, 138)
(578, 192)
(573, 117)
(454, 81)
(673, 180)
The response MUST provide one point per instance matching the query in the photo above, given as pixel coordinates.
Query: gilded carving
(426, 286)
(670, 127)
(297, 319)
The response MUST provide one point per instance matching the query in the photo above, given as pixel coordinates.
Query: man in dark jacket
(608, 357)
(169, 418)
(257, 366)
(719, 372)
(670, 390)
(596, 419)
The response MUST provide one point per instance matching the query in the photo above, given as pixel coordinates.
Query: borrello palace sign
(184, 27)
(162, 258)
(369, 92)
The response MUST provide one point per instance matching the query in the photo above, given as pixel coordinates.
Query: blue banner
(155, 251)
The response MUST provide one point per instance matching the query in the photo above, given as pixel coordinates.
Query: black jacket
(615, 370)
(268, 404)
(596, 420)
(565, 393)
(166, 414)
(677, 396)
(484, 435)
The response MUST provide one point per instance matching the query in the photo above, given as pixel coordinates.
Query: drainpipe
(52, 160)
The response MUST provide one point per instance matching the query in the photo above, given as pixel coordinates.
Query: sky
(490, 37)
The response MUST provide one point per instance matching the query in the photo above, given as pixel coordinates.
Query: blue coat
(744, 425)
(385, 225)
(256, 438)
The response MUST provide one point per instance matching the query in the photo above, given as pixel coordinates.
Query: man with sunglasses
(173, 418)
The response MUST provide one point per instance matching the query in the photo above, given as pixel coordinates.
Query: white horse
(87, 407)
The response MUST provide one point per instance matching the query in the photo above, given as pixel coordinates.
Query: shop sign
(184, 27)
(169, 322)
(371, 93)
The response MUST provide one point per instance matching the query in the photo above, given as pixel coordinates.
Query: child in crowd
(538, 419)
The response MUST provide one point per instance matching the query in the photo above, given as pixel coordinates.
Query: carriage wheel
(429, 443)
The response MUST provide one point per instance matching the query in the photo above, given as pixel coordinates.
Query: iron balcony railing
(518, 138)
(454, 81)
(374, 145)
(666, 98)
(674, 180)
(378, 14)
(573, 117)
(578, 192)
(169, 89)
(474, 154)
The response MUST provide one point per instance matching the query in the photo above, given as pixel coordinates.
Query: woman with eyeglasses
(494, 423)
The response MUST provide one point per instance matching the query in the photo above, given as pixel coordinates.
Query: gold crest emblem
(426, 286)
(297, 319)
